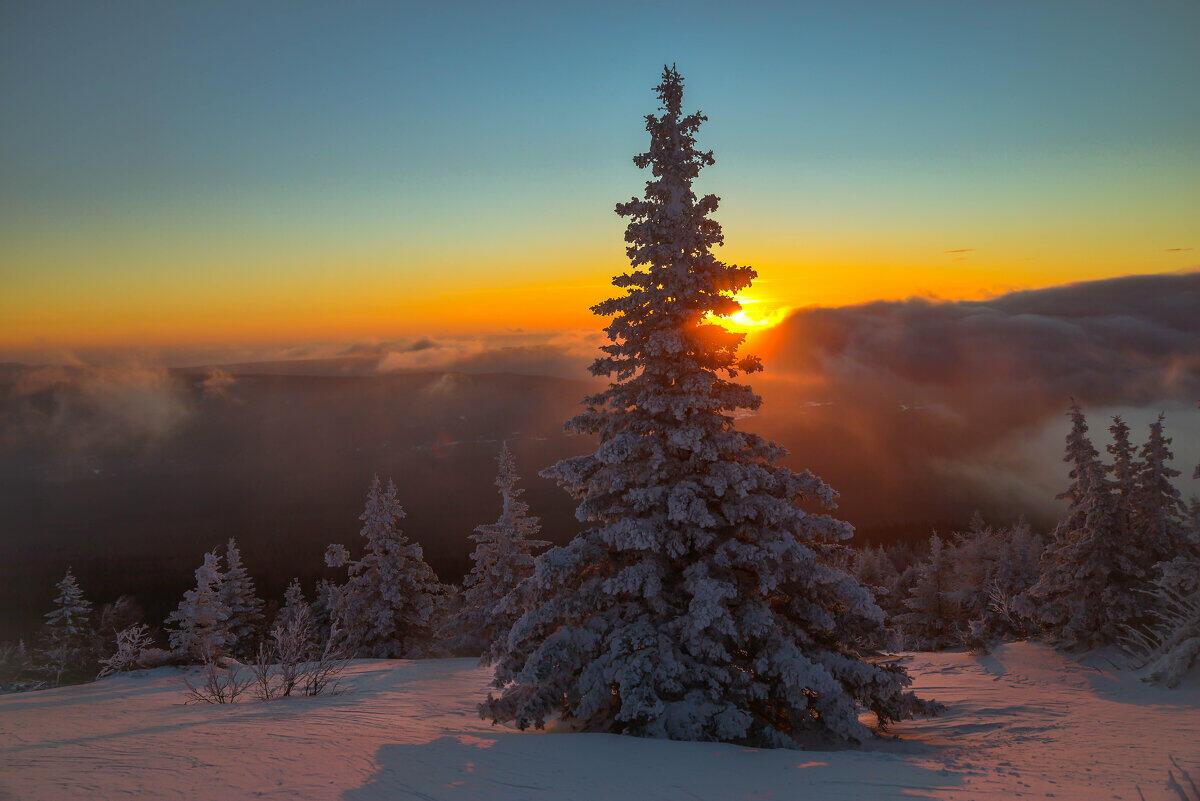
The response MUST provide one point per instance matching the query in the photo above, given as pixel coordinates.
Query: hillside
(1024, 722)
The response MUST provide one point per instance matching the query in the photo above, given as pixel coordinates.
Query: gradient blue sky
(172, 172)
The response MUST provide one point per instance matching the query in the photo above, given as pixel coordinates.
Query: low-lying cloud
(77, 409)
(915, 410)
(930, 402)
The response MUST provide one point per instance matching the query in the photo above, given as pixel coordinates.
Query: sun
(756, 314)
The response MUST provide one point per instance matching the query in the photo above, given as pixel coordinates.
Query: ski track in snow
(1023, 722)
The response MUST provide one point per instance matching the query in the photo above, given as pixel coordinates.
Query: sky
(177, 174)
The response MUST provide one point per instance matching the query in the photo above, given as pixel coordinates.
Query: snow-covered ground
(1024, 722)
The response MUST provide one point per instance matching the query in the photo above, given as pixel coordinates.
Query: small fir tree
(503, 557)
(66, 645)
(390, 602)
(197, 627)
(296, 615)
(239, 596)
(930, 621)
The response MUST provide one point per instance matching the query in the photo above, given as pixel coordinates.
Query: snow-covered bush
(390, 602)
(114, 617)
(503, 557)
(223, 681)
(297, 618)
(698, 604)
(17, 670)
(132, 645)
(1169, 647)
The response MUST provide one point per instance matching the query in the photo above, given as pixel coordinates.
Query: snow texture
(1025, 722)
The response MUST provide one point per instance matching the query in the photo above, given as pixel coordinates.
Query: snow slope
(1024, 722)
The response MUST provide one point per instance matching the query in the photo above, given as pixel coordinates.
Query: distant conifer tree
(1094, 573)
(67, 637)
(503, 557)
(244, 624)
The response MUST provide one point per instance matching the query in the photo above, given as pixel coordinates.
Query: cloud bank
(915, 410)
(931, 402)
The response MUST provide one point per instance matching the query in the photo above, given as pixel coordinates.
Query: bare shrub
(224, 681)
(320, 676)
(265, 688)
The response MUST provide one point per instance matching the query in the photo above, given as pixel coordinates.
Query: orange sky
(368, 300)
(174, 182)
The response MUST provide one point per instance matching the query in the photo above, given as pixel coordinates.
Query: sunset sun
(756, 314)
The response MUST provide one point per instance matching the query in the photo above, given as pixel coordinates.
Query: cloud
(562, 354)
(915, 410)
(79, 409)
(1178, 250)
(925, 395)
(217, 382)
(961, 250)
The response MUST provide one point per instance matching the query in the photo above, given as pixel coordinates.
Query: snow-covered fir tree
(931, 617)
(1124, 469)
(293, 601)
(503, 557)
(390, 603)
(1093, 573)
(197, 627)
(66, 641)
(1158, 514)
(1124, 466)
(697, 605)
(240, 598)
(972, 556)
(1171, 643)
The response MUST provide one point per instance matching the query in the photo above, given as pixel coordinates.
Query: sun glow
(756, 314)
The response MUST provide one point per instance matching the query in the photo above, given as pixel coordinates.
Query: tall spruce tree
(503, 557)
(699, 605)
(1124, 470)
(389, 605)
